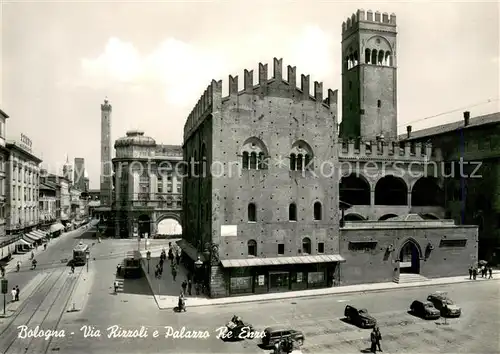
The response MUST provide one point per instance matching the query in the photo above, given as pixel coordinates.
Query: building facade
(148, 185)
(47, 204)
(471, 155)
(106, 165)
(80, 180)
(264, 228)
(23, 174)
(267, 219)
(4, 155)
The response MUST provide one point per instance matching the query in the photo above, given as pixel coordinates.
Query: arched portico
(410, 255)
(169, 224)
(391, 190)
(355, 190)
(427, 192)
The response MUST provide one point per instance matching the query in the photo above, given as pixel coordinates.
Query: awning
(23, 242)
(255, 262)
(40, 233)
(56, 227)
(28, 240)
(190, 250)
(32, 236)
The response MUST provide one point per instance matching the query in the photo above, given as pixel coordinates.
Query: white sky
(154, 60)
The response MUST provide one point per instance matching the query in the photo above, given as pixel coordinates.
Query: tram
(132, 267)
(80, 254)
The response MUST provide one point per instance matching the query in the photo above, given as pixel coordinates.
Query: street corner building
(261, 191)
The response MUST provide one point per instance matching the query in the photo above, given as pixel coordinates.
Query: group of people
(174, 256)
(15, 293)
(483, 270)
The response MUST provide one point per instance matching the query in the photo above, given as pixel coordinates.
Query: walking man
(174, 272)
(373, 340)
(490, 270)
(17, 292)
(470, 273)
(13, 293)
(378, 338)
(178, 257)
(474, 273)
(190, 286)
(184, 286)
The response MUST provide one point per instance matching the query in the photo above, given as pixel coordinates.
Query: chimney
(408, 131)
(466, 118)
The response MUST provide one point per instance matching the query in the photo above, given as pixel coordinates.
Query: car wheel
(300, 341)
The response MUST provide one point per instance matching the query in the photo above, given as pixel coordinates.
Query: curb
(71, 300)
(294, 296)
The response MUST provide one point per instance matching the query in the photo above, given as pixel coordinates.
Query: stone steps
(409, 278)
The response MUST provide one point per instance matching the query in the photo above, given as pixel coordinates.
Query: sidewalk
(166, 291)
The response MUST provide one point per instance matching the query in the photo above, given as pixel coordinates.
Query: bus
(132, 267)
(80, 254)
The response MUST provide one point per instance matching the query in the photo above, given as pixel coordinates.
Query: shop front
(280, 274)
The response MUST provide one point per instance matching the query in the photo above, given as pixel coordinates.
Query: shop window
(453, 243)
(252, 213)
(281, 248)
(321, 247)
(292, 212)
(317, 211)
(252, 248)
(306, 245)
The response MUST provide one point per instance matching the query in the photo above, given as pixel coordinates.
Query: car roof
(278, 329)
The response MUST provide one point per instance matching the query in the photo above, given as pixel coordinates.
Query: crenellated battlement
(369, 16)
(266, 85)
(400, 150)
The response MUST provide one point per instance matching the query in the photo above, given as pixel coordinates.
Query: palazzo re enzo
(278, 196)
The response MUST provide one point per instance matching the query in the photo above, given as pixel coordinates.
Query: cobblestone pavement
(320, 318)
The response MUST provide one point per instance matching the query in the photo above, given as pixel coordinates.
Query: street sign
(5, 286)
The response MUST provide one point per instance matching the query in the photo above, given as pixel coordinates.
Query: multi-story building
(54, 183)
(47, 204)
(148, 185)
(63, 202)
(4, 155)
(77, 208)
(261, 209)
(80, 179)
(23, 169)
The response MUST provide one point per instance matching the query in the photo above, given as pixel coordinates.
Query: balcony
(159, 201)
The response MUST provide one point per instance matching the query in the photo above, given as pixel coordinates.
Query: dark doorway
(354, 190)
(391, 190)
(144, 225)
(409, 258)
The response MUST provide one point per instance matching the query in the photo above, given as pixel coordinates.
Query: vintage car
(359, 317)
(443, 303)
(239, 330)
(274, 335)
(424, 309)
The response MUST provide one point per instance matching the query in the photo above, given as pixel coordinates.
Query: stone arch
(354, 217)
(301, 156)
(377, 42)
(429, 216)
(355, 189)
(426, 192)
(165, 228)
(144, 225)
(173, 216)
(391, 190)
(409, 256)
(387, 216)
(254, 154)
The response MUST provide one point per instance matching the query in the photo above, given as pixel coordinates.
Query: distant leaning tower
(106, 178)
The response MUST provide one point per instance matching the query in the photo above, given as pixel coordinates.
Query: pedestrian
(470, 273)
(474, 273)
(485, 271)
(2, 270)
(184, 286)
(190, 286)
(161, 262)
(17, 292)
(13, 293)
(490, 270)
(373, 340)
(178, 257)
(174, 272)
(156, 273)
(160, 271)
(198, 288)
(73, 269)
(171, 256)
(378, 338)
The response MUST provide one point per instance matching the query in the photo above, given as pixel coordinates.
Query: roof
(255, 262)
(46, 186)
(3, 114)
(13, 145)
(493, 118)
(135, 138)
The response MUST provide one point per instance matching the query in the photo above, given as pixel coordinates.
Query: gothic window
(367, 56)
(252, 248)
(292, 212)
(254, 155)
(301, 157)
(293, 161)
(252, 213)
(306, 245)
(317, 211)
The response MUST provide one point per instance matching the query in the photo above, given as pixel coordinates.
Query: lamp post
(148, 257)
(87, 256)
(198, 264)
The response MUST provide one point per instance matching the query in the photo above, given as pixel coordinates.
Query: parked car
(425, 309)
(273, 335)
(444, 304)
(359, 317)
(239, 329)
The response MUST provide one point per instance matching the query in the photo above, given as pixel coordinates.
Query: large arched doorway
(426, 192)
(409, 257)
(144, 225)
(354, 190)
(169, 227)
(387, 216)
(391, 190)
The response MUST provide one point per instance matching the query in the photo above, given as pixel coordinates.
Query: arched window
(246, 160)
(292, 212)
(293, 162)
(307, 161)
(253, 161)
(261, 161)
(318, 214)
(252, 213)
(381, 57)
(306, 245)
(388, 59)
(367, 56)
(374, 57)
(252, 248)
(299, 166)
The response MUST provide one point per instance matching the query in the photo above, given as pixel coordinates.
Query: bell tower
(369, 80)
(106, 170)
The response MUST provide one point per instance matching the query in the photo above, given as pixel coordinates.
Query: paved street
(319, 318)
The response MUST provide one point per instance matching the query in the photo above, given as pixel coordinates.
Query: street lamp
(148, 257)
(87, 256)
